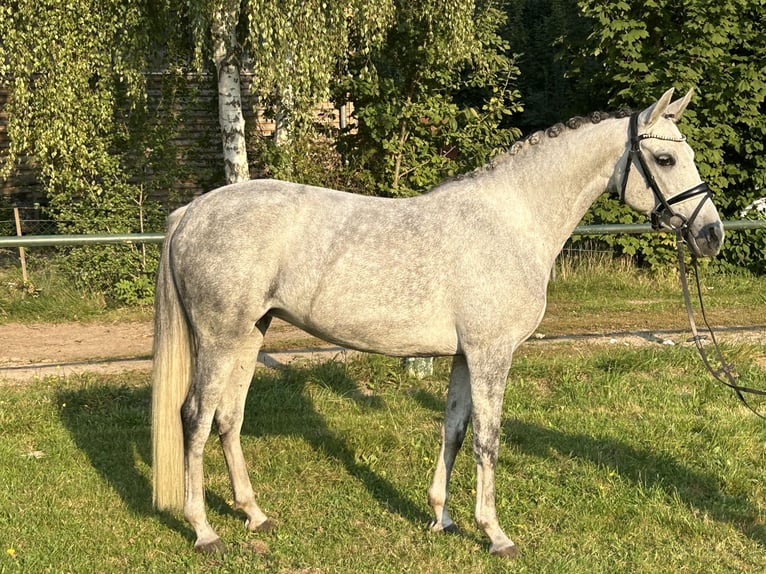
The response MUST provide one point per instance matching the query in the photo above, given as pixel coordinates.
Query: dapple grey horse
(460, 271)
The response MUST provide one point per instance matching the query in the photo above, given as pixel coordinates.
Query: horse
(459, 271)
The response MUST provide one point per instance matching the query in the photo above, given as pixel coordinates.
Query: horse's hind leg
(457, 414)
(224, 368)
(228, 418)
(212, 372)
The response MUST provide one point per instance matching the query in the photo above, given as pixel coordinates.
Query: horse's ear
(659, 109)
(676, 109)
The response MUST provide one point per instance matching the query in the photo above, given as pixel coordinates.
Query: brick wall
(197, 139)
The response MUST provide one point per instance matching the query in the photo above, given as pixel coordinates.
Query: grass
(50, 297)
(601, 295)
(614, 460)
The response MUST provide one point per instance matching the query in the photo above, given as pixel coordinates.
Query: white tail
(171, 378)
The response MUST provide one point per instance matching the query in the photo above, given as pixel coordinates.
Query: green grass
(614, 460)
(50, 296)
(598, 295)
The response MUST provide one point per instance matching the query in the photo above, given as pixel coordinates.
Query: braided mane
(538, 138)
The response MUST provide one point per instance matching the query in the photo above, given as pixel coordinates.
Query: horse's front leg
(488, 377)
(457, 413)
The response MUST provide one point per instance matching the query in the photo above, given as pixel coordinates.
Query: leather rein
(663, 216)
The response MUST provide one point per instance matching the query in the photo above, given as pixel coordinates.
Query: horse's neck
(548, 187)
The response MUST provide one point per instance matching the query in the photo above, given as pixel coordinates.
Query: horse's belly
(401, 336)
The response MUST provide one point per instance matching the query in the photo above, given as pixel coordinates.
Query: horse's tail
(171, 378)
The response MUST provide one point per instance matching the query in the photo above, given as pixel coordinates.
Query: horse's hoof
(451, 528)
(265, 526)
(508, 551)
(213, 547)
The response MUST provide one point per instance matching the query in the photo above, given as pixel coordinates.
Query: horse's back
(401, 277)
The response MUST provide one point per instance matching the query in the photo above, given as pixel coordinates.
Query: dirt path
(35, 350)
(60, 349)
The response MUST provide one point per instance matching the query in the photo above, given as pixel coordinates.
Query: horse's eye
(665, 160)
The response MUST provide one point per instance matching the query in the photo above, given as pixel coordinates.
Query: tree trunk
(226, 51)
(282, 117)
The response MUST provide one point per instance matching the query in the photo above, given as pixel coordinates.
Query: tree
(548, 36)
(227, 57)
(75, 73)
(289, 46)
(430, 98)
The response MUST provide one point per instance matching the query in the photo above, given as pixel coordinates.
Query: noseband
(662, 215)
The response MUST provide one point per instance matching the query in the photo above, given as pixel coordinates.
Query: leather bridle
(662, 215)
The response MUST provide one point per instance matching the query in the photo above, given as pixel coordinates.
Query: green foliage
(430, 98)
(310, 156)
(651, 249)
(717, 48)
(78, 113)
(292, 46)
(547, 35)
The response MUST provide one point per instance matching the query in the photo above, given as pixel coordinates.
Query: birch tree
(291, 48)
(227, 58)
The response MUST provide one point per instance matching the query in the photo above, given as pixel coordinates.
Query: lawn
(614, 459)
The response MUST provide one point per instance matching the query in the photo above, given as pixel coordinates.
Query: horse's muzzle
(702, 228)
(707, 241)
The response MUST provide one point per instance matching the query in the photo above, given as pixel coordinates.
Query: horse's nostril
(713, 233)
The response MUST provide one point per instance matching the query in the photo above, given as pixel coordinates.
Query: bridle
(663, 216)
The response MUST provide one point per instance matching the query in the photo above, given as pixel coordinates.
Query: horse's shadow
(110, 425)
(278, 405)
(644, 467)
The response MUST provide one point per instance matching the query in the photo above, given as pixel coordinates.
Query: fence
(22, 242)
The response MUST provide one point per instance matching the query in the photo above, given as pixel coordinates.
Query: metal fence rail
(132, 238)
(68, 240)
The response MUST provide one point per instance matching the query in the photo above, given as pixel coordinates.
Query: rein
(664, 216)
(725, 373)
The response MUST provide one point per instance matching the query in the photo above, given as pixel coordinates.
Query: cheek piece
(662, 215)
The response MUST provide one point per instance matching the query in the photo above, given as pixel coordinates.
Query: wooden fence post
(22, 253)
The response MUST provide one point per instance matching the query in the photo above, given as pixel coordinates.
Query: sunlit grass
(600, 294)
(613, 460)
(49, 296)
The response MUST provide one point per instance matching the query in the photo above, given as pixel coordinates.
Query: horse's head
(664, 182)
